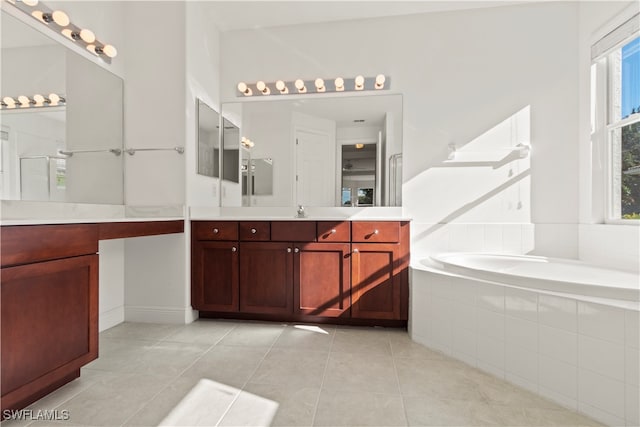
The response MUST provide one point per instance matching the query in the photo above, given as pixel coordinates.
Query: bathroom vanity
(49, 294)
(341, 271)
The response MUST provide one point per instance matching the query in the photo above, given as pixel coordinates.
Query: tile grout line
(324, 375)
(177, 376)
(395, 371)
(224, 414)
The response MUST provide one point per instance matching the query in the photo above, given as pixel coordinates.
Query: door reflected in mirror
(360, 174)
(208, 141)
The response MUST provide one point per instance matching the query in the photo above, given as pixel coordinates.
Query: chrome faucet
(301, 213)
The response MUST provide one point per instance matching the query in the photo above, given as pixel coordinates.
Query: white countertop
(289, 214)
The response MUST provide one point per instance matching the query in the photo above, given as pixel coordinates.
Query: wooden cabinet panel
(375, 281)
(375, 231)
(255, 230)
(49, 317)
(334, 231)
(214, 230)
(321, 279)
(266, 277)
(293, 231)
(23, 244)
(214, 276)
(122, 230)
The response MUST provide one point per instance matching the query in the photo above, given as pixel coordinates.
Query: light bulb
(30, 2)
(67, 33)
(380, 79)
(319, 85)
(60, 18)
(242, 87)
(87, 36)
(39, 99)
(54, 99)
(24, 101)
(359, 146)
(9, 101)
(39, 16)
(262, 87)
(359, 82)
(92, 48)
(282, 87)
(109, 50)
(339, 82)
(300, 86)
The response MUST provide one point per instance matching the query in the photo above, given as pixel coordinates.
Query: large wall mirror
(208, 141)
(325, 151)
(71, 152)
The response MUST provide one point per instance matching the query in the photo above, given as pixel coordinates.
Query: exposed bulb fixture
(263, 88)
(60, 18)
(380, 79)
(8, 102)
(82, 36)
(39, 100)
(339, 83)
(282, 87)
(319, 85)
(359, 82)
(24, 101)
(359, 146)
(242, 87)
(300, 86)
(246, 142)
(87, 36)
(54, 99)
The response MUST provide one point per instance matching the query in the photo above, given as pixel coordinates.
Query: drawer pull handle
(216, 231)
(234, 249)
(375, 231)
(296, 250)
(289, 250)
(254, 231)
(333, 231)
(355, 251)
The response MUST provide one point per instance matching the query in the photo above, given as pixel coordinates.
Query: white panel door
(315, 169)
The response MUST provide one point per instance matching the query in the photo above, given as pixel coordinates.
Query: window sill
(635, 222)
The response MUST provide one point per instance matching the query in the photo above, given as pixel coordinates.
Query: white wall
(610, 245)
(467, 78)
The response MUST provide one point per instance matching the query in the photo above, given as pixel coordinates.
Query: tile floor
(228, 373)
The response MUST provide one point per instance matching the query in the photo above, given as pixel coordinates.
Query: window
(618, 56)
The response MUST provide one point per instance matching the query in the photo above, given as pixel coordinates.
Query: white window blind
(616, 37)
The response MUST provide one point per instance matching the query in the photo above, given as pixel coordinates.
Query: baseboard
(110, 318)
(150, 314)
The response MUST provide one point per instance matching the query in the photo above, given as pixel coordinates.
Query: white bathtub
(563, 329)
(536, 272)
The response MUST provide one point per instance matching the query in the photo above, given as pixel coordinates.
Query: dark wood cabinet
(215, 276)
(321, 279)
(266, 277)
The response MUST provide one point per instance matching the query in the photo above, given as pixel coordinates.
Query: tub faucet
(301, 213)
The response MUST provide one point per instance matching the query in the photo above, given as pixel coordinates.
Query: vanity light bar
(35, 101)
(57, 20)
(319, 85)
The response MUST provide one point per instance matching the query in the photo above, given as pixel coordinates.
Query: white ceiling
(244, 15)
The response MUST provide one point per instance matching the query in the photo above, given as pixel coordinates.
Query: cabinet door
(215, 276)
(266, 277)
(375, 281)
(321, 279)
(49, 317)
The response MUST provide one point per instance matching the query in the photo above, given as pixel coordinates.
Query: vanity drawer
(293, 231)
(375, 231)
(255, 230)
(215, 230)
(334, 231)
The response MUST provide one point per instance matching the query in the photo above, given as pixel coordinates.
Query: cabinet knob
(355, 251)
(289, 250)
(333, 231)
(296, 250)
(216, 231)
(375, 231)
(254, 231)
(234, 249)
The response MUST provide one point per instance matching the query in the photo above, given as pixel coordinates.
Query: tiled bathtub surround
(580, 354)
(250, 374)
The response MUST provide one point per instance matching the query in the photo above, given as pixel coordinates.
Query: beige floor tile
(167, 358)
(284, 367)
(202, 331)
(558, 417)
(402, 346)
(372, 341)
(142, 331)
(359, 409)
(253, 334)
(355, 372)
(425, 411)
(116, 355)
(499, 392)
(230, 365)
(306, 337)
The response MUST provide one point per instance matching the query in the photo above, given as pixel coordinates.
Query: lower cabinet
(266, 277)
(321, 279)
(215, 271)
(49, 326)
(375, 281)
